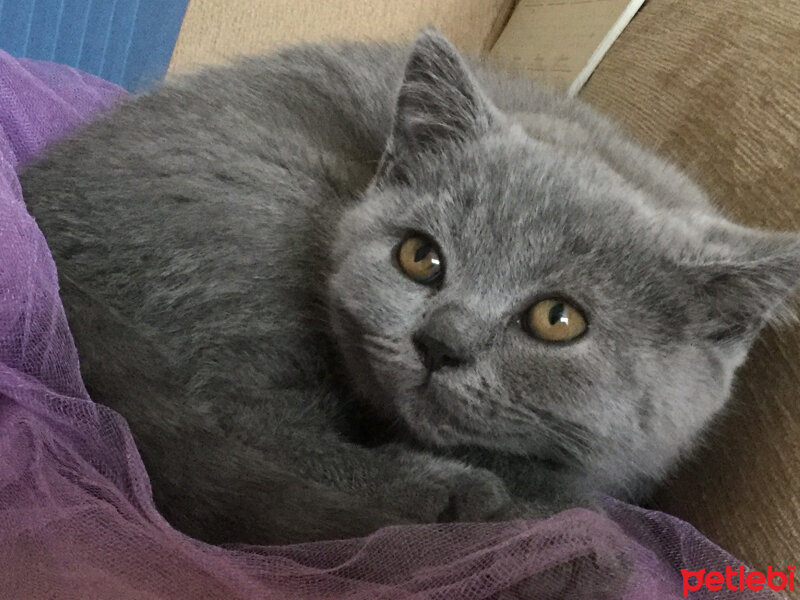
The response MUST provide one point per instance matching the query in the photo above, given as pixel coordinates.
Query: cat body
(230, 256)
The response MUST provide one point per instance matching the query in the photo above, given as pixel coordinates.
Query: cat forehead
(535, 202)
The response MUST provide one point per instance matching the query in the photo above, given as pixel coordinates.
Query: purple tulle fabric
(76, 515)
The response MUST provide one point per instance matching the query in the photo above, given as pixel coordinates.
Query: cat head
(528, 295)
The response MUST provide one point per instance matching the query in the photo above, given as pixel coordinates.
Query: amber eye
(554, 320)
(420, 260)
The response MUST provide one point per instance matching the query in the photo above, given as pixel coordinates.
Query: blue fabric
(128, 42)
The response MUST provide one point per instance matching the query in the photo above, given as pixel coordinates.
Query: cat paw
(443, 491)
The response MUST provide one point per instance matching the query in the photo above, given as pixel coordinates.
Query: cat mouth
(436, 417)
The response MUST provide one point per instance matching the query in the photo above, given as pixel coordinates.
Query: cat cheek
(399, 312)
(380, 304)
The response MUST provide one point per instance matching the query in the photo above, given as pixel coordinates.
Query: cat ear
(749, 280)
(438, 102)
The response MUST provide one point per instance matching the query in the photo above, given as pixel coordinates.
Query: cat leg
(299, 481)
(314, 487)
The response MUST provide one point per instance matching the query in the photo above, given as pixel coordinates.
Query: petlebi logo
(738, 579)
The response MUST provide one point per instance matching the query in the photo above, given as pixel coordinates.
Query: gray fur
(226, 246)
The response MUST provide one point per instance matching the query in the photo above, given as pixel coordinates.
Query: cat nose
(436, 354)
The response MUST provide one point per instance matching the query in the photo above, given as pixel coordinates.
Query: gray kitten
(353, 285)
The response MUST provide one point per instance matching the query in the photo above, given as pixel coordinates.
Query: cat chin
(412, 395)
(434, 414)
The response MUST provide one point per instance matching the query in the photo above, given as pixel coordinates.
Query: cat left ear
(750, 281)
(438, 102)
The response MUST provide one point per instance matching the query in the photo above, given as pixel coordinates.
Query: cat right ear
(751, 279)
(439, 102)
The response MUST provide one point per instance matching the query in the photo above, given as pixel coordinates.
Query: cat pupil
(422, 252)
(556, 314)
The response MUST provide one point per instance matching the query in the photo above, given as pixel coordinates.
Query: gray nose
(435, 353)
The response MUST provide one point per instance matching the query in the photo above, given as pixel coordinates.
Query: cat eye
(419, 258)
(554, 320)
